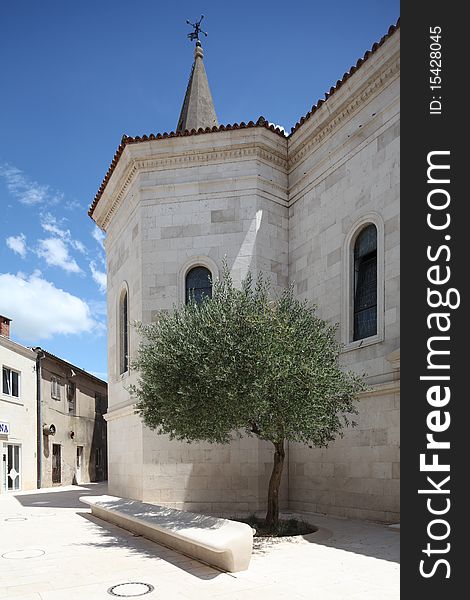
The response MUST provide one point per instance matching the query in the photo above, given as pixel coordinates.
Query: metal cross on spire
(194, 35)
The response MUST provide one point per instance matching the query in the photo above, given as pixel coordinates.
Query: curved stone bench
(224, 544)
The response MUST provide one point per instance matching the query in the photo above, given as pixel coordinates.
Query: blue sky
(76, 76)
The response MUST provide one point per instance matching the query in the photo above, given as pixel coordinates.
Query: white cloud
(77, 244)
(17, 244)
(72, 205)
(98, 307)
(55, 253)
(98, 276)
(25, 190)
(40, 310)
(57, 227)
(99, 236)
(50, 224)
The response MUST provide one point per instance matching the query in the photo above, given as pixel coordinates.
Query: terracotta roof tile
(125, 140)
(261, 122)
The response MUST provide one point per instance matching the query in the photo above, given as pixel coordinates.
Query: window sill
(124, 375)
(12, 399)
(358, 344)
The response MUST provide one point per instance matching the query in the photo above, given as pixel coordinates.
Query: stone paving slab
(84, 556)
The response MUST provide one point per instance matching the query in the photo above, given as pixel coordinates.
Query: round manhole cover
(130, 590)
(16, 519)
(21, 554)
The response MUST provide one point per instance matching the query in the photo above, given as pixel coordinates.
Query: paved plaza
(53, 549)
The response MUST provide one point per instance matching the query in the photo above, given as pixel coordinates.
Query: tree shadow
(375, 540)
(113, 536)
(169, 518)
(360, 537)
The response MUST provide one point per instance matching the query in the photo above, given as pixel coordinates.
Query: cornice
(198, 157)
(13, 346)
(182, 160)
(333, 121)
(123, 186)
(379, 389)
(120, 411)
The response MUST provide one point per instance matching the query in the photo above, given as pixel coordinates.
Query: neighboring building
(73, 402)
(17, 414)
(70, 444)
(318, 208)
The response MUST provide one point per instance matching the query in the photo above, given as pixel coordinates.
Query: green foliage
(244, 363)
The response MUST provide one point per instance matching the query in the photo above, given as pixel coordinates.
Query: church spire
(198, 108)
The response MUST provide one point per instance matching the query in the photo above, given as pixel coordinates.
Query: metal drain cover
(21, 554)
(131, 589)
(16, 519)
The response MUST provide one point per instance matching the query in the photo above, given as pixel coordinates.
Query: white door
(11, 472)
(79, 464)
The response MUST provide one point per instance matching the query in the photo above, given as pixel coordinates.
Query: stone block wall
(125, 466)
(289, 208)
(207, 477)
(345, 166)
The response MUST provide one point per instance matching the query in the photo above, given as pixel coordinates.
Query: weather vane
(194, 35)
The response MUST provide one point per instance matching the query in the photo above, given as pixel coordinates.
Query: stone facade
(74, 402)
(344, 172)
(289, 207)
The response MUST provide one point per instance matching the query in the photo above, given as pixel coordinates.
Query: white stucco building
(18, 449)
(320, 208)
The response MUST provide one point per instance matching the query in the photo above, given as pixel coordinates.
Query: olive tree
(244, 363)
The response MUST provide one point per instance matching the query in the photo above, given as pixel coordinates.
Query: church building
(318, 208)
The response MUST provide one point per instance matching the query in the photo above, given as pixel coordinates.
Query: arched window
(198, 284)
(123, 333)
(365, 283)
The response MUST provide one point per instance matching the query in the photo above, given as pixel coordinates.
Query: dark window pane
(124, 358)
(198, 284)
(365, 284)
(366, 287)
(366, 242)
(15, 384)
(365, 323)
(10, 465)
(6, 381)
(71, 395)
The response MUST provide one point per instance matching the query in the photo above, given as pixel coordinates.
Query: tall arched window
(198, 284)
(365, 283)
(123, 332)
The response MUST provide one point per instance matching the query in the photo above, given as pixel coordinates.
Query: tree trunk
(272, 515)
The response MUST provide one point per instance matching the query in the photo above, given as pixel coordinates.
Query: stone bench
(224, 544)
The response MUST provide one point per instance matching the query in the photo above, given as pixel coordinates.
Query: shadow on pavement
(61, 498)
(360, 537)
(112, 536)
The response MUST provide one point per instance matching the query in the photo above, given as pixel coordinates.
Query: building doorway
(11, 467)
(78, 471)
(56, 464)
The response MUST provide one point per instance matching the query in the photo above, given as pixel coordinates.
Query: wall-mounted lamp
(48, 429)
